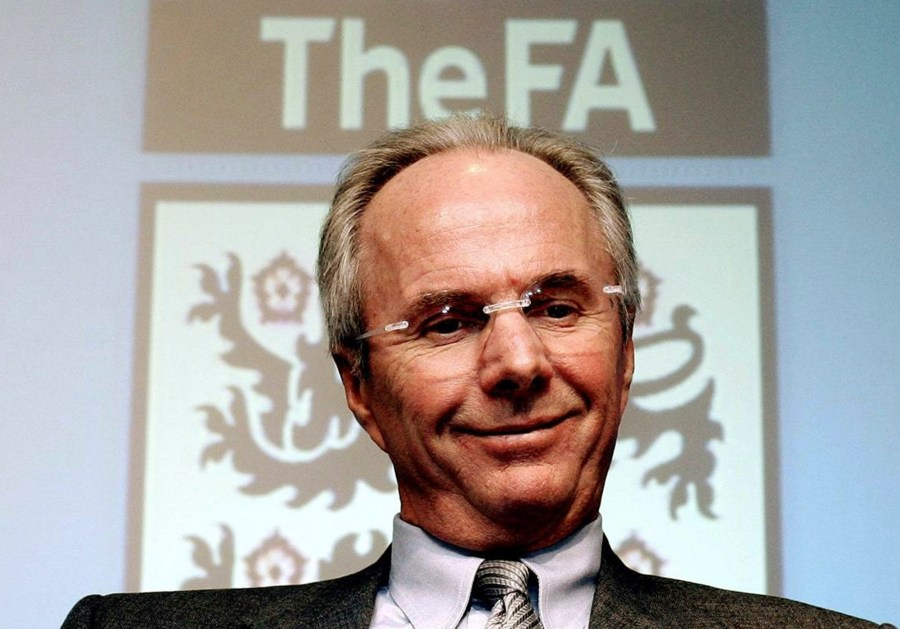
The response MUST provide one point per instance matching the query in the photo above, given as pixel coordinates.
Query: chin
(532, 503)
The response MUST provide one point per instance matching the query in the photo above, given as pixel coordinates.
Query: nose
(513, 360)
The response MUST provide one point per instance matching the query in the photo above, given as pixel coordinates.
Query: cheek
(592, 370)
(412, 397)
(596, 377)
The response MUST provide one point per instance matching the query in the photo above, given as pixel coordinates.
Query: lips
(522, 427)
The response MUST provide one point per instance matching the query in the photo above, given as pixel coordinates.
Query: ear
(627, 373)
(358, 392)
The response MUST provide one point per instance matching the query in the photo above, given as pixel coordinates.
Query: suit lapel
(344, 603)
(617, 599)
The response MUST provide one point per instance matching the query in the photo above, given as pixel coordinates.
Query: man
(479, 287)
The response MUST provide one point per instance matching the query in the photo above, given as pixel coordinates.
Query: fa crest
(295, 415)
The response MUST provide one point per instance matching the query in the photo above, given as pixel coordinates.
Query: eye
(451, 324)
(445, 326)
(555, 312)
(559, 310)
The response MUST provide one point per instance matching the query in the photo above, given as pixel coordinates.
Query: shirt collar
(431, 581)
(567, 576)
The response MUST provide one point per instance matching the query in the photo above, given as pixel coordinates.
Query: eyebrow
(425, 302)
(436, 299)
(571, 280)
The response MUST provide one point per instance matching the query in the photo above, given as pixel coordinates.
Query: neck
(526, 531)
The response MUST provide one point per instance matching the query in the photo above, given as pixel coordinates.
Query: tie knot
(498, 577)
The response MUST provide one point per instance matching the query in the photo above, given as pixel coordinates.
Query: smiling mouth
(511, 430)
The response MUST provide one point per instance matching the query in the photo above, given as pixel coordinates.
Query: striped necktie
(504, 585)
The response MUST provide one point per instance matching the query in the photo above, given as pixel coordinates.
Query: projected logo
(249, 468)
(691, 469)
(255, 473)
(288, 430)
(313, 76)
(294, 415)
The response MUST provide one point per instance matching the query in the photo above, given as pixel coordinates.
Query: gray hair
(369, 169)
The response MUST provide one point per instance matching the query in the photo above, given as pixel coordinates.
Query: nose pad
(513, 357)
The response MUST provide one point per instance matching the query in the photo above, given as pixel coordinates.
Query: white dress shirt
(430, 584)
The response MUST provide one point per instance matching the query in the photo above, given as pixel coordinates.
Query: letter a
(608, 37)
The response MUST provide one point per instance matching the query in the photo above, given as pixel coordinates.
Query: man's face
(502, 441)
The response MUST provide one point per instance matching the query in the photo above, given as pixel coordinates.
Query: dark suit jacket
(623, 598)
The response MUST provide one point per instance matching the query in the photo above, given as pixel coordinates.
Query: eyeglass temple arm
(390, 327)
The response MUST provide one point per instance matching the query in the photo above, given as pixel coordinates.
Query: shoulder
(628, 598)
(343, 602)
